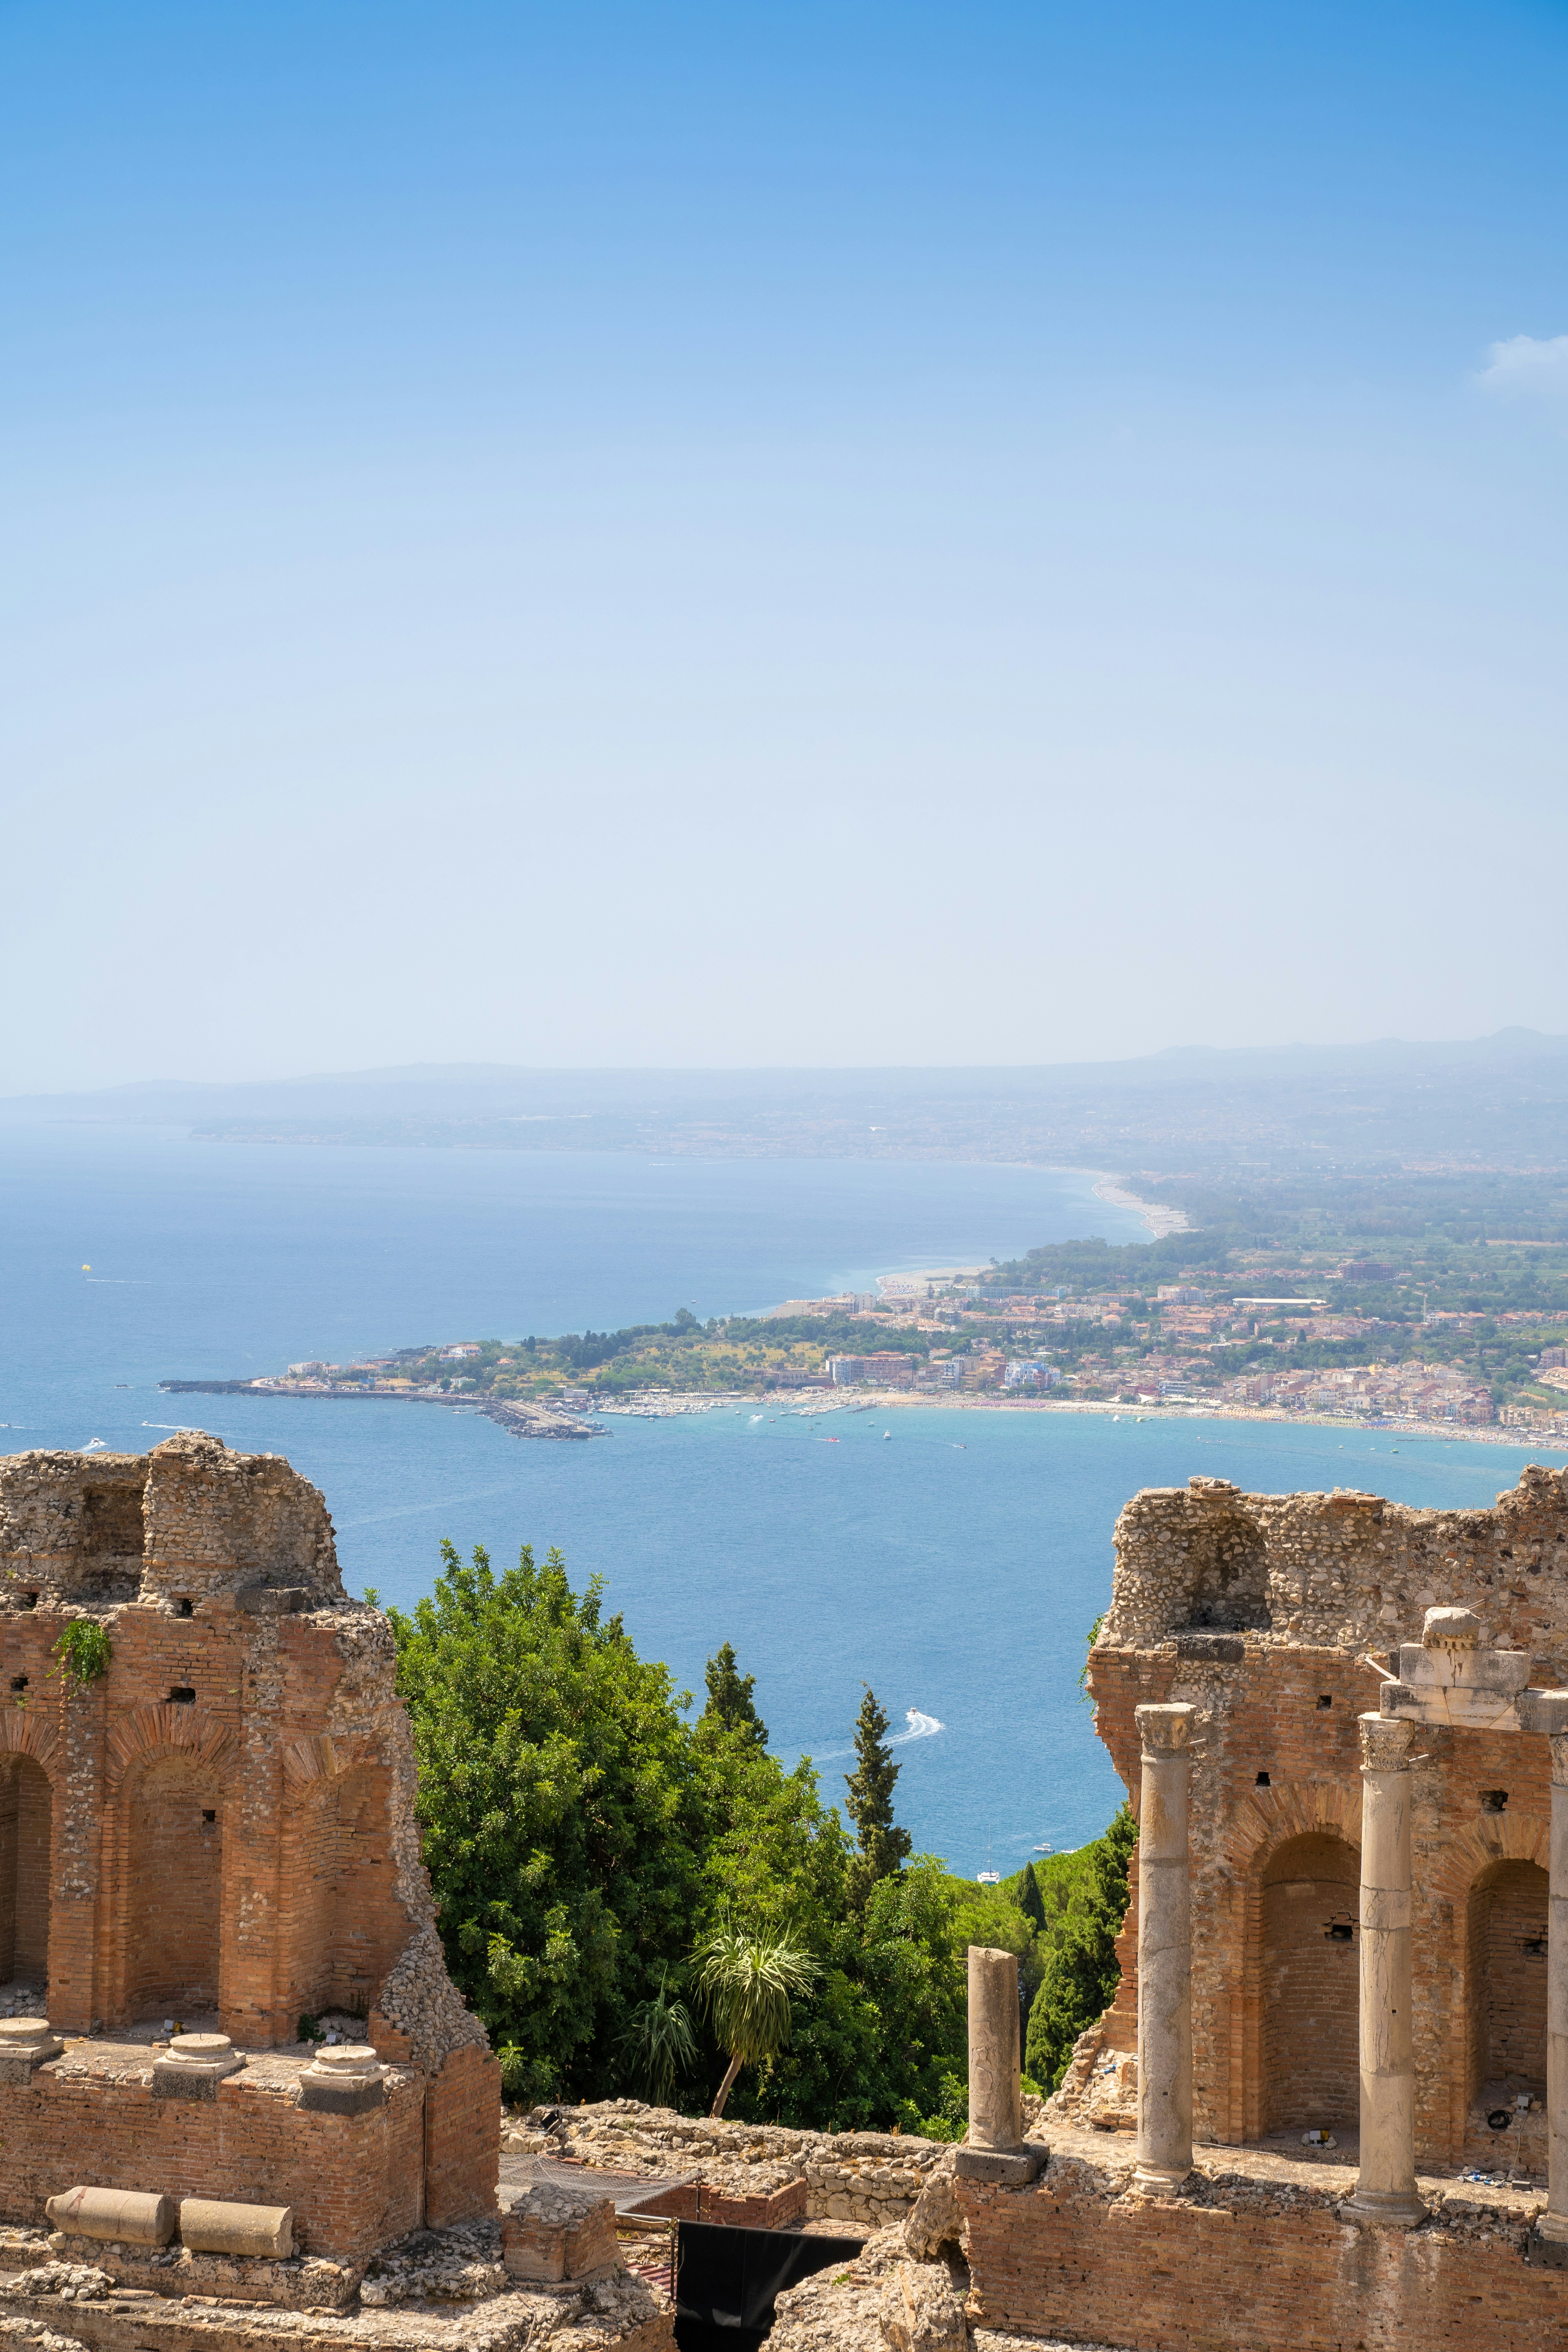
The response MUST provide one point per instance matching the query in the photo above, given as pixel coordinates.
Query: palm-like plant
(744, 1982)
(659, 2043)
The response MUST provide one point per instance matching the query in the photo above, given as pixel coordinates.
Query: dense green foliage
(730, 1699)
(882, 1847)
(1080, 1973)
(588, 1841)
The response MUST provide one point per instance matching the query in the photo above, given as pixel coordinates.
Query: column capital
(1384, 1743)
(1165, 1730)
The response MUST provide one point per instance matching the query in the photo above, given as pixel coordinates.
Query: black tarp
(726, 2281)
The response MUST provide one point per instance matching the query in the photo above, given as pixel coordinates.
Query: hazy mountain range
(1490, 1102)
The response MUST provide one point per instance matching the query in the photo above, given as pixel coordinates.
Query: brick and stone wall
(1250, 2264)
(1259, 1611)
(220, 1826)
(762, 2173)
(354, 2181)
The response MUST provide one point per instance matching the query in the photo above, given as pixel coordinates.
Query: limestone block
(24, 2042)
(194, 2066)
(125, 2217)
(936, 2220)
(920, 2313)
(210, 2226)
(553, 2233)
(349, 2081)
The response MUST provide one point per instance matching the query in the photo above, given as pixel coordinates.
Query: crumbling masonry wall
(223, 1823)
(1258, 1610)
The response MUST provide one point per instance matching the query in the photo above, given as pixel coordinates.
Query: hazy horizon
(861, 536)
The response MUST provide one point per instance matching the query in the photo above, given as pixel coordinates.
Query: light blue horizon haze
(691, 535)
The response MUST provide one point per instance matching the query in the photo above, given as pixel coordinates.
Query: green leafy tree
(553, 1796)
(1030, 1899)
(1081, 1973)
(745, 1981)
(730, 1697)
(883, 1847)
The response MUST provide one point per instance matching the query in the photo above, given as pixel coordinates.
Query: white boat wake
(921, 1727)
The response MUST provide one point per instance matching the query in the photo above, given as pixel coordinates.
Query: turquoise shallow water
(954, 1565)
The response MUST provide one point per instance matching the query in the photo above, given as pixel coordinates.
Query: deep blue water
(955, 1565)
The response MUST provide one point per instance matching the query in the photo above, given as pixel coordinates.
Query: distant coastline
(1160, 1220)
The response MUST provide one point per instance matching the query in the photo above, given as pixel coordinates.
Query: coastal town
(956, 1336)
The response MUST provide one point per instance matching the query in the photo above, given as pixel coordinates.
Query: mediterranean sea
(953, 1559)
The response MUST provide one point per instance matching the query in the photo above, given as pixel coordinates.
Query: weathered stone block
(210, 2227)
(552, 2233)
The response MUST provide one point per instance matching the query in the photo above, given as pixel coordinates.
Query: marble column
(995, 2090)
(1553, 2222)
(995, 2150)
(1385, 2183)
(1164, 1950)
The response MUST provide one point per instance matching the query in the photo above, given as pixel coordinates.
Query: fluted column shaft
(1164, 1949)
(1385, 2183)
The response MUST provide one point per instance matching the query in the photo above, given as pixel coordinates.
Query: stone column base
(1155, 2181)
(1386, 2208)
(1004, 2167)
(1553, 2225)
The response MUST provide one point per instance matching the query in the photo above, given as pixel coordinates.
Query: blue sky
(782, 534)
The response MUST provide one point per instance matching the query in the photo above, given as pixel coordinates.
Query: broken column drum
(1385, 2183)
(1164, 1949)
(994, 2150)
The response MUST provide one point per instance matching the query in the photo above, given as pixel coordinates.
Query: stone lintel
(1424, 1667)
(273, 1600)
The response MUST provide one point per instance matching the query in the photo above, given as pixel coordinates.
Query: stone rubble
(868, 2180)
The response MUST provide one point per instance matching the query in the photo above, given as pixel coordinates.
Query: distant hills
(1498, 1102)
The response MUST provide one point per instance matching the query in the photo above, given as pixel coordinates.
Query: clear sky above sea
(696, 534)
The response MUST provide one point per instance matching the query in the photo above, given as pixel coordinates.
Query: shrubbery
(585, 1837)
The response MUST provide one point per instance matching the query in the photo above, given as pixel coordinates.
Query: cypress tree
(1030, 1901)
(1081, 1974)
(730, 1697)
(883, 1847)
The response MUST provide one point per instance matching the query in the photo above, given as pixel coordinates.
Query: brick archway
(1267, 1822)
(167, 1795)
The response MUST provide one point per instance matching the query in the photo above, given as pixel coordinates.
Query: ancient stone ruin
(1329, 2105)
(208, 1844)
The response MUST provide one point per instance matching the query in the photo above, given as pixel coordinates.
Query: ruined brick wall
(353, 2180)
(1250, 2267)
(1342, 1571)
(225, 1820)
(462, 2139)
(1257, 1609)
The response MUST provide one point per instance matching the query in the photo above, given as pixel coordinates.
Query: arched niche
(27, 1804)
(1309, 1984)
(1506, 1918)
(174, 1891)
